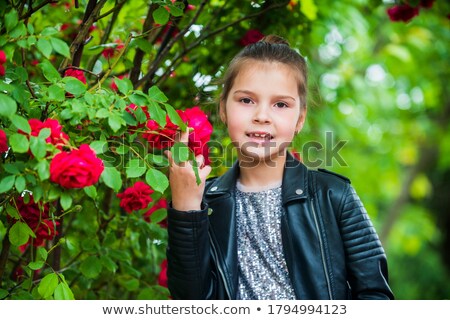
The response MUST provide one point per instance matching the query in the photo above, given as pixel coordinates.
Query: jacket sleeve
(365, 257)
(188, 254)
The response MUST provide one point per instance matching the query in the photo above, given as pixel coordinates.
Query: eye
(246, 100)
(281, 105)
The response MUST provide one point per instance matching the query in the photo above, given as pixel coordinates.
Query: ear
(222, 112)
(301, 120)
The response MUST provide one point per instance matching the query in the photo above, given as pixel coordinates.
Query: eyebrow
(251, 93)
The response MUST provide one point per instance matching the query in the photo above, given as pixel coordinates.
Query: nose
(261, 115)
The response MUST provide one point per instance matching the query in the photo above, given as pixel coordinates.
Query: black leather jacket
(331, 247)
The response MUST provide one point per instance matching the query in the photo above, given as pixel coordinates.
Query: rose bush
(85, 118)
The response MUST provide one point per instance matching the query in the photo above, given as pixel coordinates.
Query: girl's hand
(186, 194)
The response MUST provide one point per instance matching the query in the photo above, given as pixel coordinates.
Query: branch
(163, 53)
(5, 252)
(107, 31)
(217, 31)
(139, 56)
(84, 31)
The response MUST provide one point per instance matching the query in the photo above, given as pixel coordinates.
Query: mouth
(259, 135)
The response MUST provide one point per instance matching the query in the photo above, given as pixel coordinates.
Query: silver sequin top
(263, 274)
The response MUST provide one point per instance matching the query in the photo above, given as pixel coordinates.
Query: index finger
(182, 136)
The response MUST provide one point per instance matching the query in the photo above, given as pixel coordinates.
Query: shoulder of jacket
(328, 172)
(210, 181)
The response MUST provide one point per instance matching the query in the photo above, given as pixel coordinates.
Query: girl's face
(262, 111)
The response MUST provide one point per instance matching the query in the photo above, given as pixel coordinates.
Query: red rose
(77, 168)
(57, 137)
(162, 277)
(251, 36)
(402, 13)
(136, 197)
(162, 138)
(110, 52)
(36, 215)
(2, 57)
(75, 73)
(201, 134)
(160, 204)
(3, 142)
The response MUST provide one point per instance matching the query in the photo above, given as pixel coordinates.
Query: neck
(261, 173)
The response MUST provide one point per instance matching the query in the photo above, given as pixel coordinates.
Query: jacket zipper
(321, 249)
(219, 267)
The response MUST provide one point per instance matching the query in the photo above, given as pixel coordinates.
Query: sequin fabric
(263, 274)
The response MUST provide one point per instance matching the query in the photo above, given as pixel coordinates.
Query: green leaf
(55, 92)
(20, 30)
(19, 233)
(91, 267)
(175, 117)
(180, 152)
(12, 211)
(157, 180)
(11, 20)
(48, 285)
(48, 31)
(66, 201)
(138, 98)
(108, 263)
(21, 123)
(43, 169)
(111, 177)
(36, 265)
(194, 2)
(45, 47)
(195, 167)
(8, 106)
(144, 45)
(99, 146)
(309, 9)
(91, 192)
(3, 294)
(44, 133)
(42, 254)
(158, 216)
(157, 113)
(54, 193)
(63, 292)
(175, 11)
(156, 94)
(103, 113)
(124, 85)
(19, 143)
(60, 47)
(20, 183)
(115, 122)
(7, 183)
(50, 73)
(135, 168)
(38, 147)
(161, 16)
(74, 86)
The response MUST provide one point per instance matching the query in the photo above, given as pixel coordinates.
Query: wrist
(186, 205)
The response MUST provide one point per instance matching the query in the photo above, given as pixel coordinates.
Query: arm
(188, 253)
(365, 258)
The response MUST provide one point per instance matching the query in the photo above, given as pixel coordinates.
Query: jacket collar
(294, 185)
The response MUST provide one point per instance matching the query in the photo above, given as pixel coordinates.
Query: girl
(269, 228)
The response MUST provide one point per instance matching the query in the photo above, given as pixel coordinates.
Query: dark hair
(271, 48)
